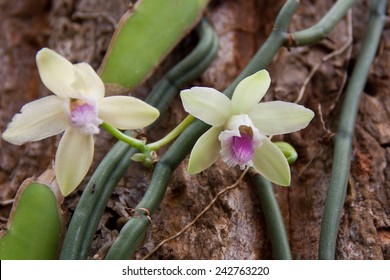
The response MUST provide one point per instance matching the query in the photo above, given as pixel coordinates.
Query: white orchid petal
(205, 151)
(278, 117)
(87, 81)
(73, 160)
(37, 120)
(125, 112)
(56, 72)
(250, 91)
(270, 162)
(207, 104)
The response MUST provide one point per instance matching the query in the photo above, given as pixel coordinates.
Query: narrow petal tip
(250, 91)
(56, 72)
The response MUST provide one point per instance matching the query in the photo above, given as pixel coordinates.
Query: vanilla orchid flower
(78, 108)
(240, 127)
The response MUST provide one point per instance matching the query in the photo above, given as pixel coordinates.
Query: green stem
(141, 145)
(343, 139)
(320, 30)
(122, 247)
(172, 135)
(135, 143)
(94, 199)
(273, 218)
(128, 240)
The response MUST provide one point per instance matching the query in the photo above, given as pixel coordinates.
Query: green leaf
(35, 228)
(144, 36)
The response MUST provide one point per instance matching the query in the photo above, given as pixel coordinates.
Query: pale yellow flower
(78, 108)
(240, 127)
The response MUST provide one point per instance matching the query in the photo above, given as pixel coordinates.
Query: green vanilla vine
(95, 196)
(126, 243)
(275, 225)
(124, 246)
(343, 139)
(85, 219)
(320, 30)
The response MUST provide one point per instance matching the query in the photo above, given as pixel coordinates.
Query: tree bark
(234, 227)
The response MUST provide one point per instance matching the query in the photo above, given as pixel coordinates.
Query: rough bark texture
(234, 228)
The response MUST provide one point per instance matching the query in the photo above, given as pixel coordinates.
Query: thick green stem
(273, 219)
(97, 192)
(343, 139)
(128, 240)
(122, 247)
(323, 27)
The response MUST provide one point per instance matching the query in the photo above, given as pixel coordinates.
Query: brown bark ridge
(234, 227)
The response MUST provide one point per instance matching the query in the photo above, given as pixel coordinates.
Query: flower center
(239, 141)
(83, 116)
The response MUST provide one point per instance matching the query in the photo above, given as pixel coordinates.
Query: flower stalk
(140, 144)
(133, 142)
(147, 155)
(171, 135)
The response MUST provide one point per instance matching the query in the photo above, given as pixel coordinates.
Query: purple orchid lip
(242, 146)
(84, 116)
(239, 142)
